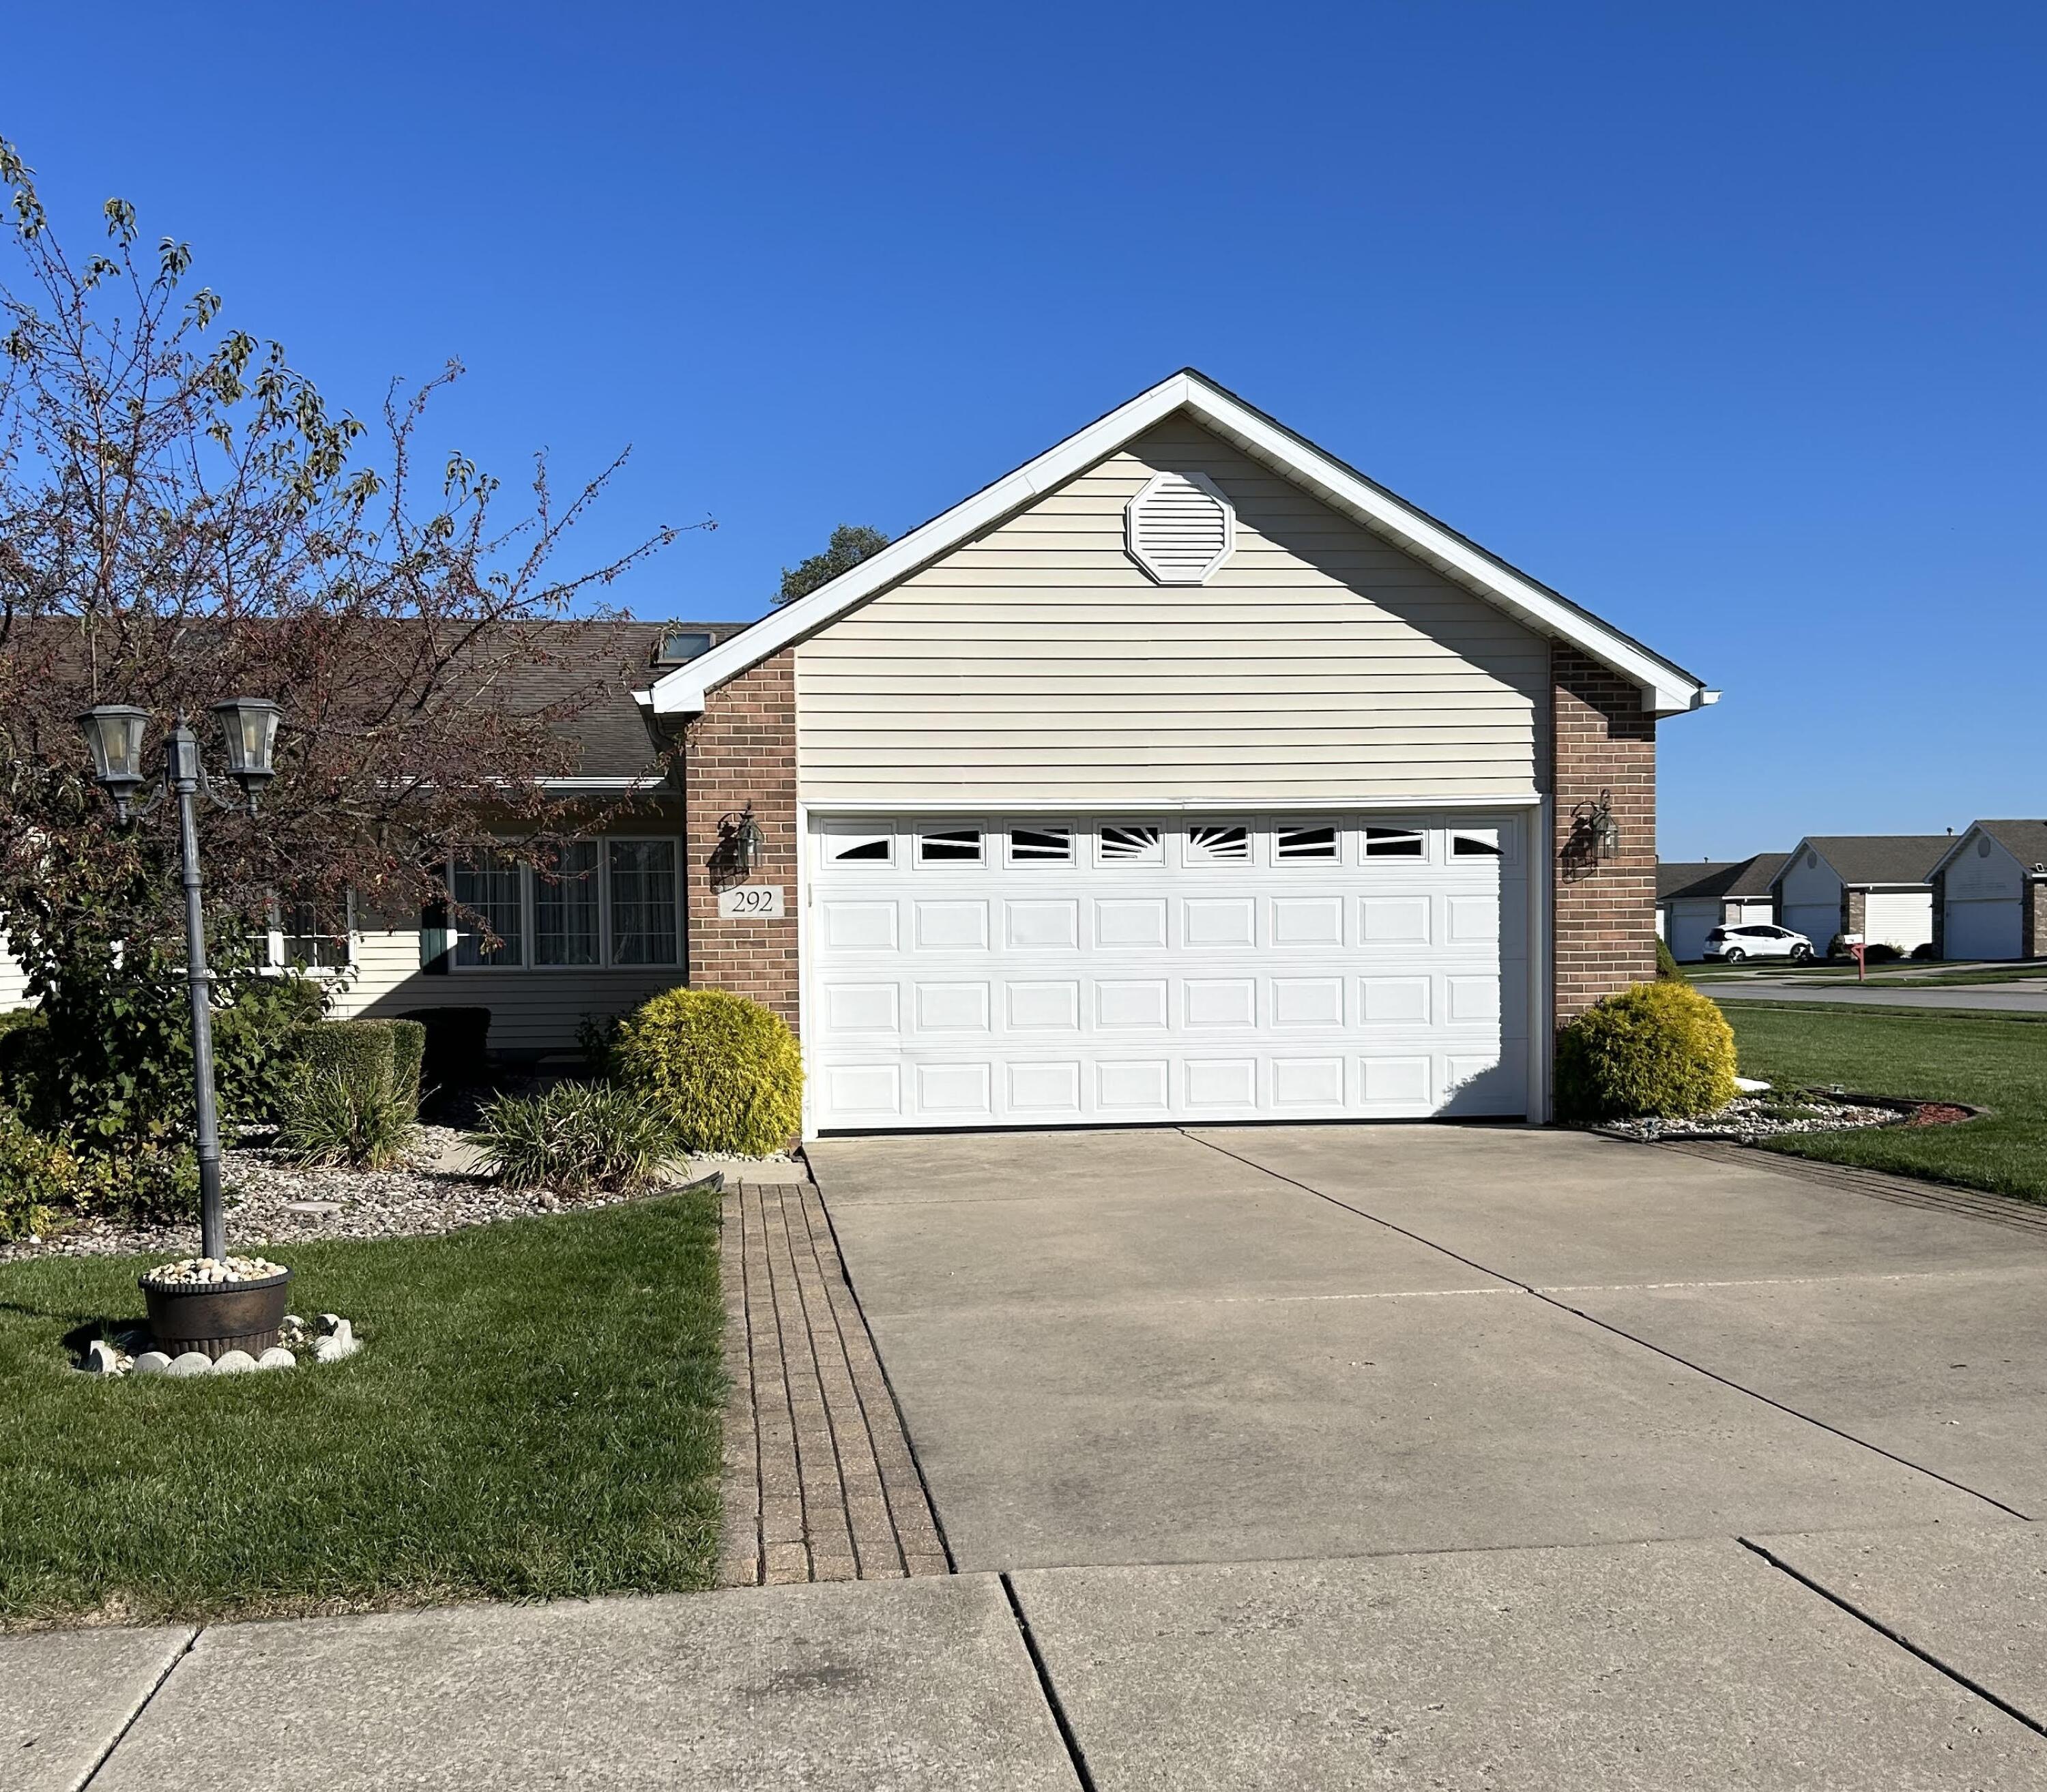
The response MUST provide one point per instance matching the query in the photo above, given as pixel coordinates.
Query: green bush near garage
(352, 1095)
(1659, 1048)
(726, 1071)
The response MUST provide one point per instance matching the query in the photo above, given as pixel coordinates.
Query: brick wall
(1603, 925)
(2033, 918)
(1854, 915)
(743, 749)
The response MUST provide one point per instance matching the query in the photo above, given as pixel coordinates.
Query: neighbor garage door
(1983, 928)
(992, 971)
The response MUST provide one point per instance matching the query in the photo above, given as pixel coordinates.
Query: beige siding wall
(530, 1010)
(1039, 664)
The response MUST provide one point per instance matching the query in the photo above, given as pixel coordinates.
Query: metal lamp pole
(114, 732)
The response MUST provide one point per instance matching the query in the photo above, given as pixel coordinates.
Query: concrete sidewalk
(1690, 1664)
(2005, 998)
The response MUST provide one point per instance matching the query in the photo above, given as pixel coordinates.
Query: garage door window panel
(1041, 846)
(949, 846)
(862, 848)
(1133, 844)
(1316, 844)
(1395, 843)
(1228, 844)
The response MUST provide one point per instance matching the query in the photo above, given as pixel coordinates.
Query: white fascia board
(1667, 688)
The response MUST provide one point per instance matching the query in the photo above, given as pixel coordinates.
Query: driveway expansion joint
(1902, 1641)
(141, 1705)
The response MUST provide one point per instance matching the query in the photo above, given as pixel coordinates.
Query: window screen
(644, 928)
(487, 887)
(565, 907)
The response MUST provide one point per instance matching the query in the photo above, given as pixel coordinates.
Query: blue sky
(1727, 322)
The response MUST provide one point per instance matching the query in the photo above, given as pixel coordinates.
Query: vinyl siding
(1039, 664)
(14, 981)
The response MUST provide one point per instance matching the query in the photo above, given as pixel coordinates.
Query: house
(1990, 892)
(1692, 899)
(1877, 885)
(1182, 774)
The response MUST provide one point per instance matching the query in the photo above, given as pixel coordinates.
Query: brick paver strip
(819, 1481)
(2004, 1209)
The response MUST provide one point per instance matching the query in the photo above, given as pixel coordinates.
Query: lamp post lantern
(115, 733)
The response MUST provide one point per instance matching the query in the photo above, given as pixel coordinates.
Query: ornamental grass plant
(577, 1138)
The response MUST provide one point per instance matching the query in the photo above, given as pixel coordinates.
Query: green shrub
(255, 1043)
(38, 1176)
(575, 1138)
(725, 1071)
(330, 1117)
(22, 1038)
(1657, 1049)
(1666, 964)
(378, 1059)
(155, 1183)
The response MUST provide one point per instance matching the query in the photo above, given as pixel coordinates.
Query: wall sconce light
(742, 838)
(1593, 823)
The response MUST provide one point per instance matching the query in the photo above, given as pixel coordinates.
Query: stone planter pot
(214, 1317)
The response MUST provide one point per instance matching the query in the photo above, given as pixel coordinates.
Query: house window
(951, 846)
(310, 936)
(1132, 845)
(1209, 846)
(1289, 843)
(643, 901)
(488, 887)
(566, 908)
(1041, 846)
(1392, 843)
(1476, 843)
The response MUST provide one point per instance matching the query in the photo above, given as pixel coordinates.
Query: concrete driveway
(1474, 1456)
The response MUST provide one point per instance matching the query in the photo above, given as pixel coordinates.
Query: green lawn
(1993, 1061)
(535, 1413)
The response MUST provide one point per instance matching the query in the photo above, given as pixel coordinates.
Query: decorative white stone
(192, 1362)
(1751, 1085)
(151, 1362)
(276, 1357)
(333, 1349)
(331, 1323)
(102, 1358)
(234, 1362)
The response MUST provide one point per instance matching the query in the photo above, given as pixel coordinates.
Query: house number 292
(751, 901)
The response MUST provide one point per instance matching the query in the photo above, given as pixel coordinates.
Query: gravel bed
(1749, 1118)
(269, 1203)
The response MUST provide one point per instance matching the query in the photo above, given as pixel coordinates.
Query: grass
(534, 1415)
(1995, 1061)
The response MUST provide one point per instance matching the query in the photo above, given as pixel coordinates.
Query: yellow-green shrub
(1658, 1048)
(726, 1071)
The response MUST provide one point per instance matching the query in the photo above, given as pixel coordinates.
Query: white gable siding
(1038, 665)
(1812, 899)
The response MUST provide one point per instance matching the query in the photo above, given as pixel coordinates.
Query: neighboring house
(1182, 773)
(1692, 900)
(1879, 885)
(1990, 892)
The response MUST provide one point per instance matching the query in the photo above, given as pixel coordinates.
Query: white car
(1730, 945)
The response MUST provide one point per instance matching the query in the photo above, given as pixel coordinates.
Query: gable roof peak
(1667, 688)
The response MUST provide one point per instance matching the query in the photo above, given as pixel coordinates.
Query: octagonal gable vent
(1179, 528)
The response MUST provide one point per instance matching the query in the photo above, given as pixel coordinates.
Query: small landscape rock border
(1742, 1121)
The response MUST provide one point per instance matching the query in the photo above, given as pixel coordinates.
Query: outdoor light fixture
(250, 726)
(742, 836)
(1595, 823)
(114, 732)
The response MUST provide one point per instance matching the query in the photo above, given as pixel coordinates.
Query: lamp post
(115, 733)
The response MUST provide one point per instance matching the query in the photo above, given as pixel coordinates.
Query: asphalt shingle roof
(1728, 879)
(1863, 858)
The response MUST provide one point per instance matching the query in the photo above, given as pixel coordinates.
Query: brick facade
(2033, 917)
(1855, 917)
(1603, 927)
(742, 749)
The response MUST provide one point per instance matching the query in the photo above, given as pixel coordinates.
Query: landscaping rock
(192, 1362)
(334, 1348)
(191, 1271)
(276, 1357)
(152, 1362)
(1752, 1117)
(102, 1358)
(234, 1362)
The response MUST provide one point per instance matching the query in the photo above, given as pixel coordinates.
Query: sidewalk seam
(134, 1717)
(1075, 1754)
(1897, 1637)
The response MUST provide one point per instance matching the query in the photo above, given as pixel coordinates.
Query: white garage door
(985, 971)
(1690, 922)
(1983, 928)
(1902, 918)
(1818, 921)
